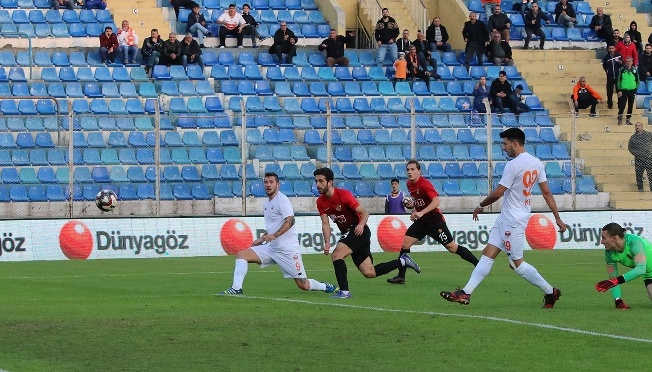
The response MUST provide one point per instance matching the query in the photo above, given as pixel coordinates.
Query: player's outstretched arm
(288, 222)
(552, 204)
(493, 196)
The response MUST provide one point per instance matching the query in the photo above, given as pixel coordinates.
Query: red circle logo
(540, 232)
(235, 236)
(390, 234)
(76, 240)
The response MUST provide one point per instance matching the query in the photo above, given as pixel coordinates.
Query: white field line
(482, 317)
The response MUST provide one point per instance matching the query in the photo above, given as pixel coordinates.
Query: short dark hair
(614, 229)
(271, 174)
(514, 134)
(326, 172)
(502, 73)
(231, 5)
(384, 9)
(394, 180)
(108, 28)
(414, 161)
(247, 5)
(154, 30)
(647, 45)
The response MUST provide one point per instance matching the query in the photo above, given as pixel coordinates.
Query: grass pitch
(161, 315)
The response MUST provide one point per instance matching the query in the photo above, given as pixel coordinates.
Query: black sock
(402, 269)
(386, 267)
(340, 274)
(466, 255)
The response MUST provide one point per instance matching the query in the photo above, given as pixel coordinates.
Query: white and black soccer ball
(106, 200)
(408, 202)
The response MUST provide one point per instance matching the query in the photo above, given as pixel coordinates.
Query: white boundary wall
(28, 240)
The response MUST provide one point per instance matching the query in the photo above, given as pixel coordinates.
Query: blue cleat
(409, 262)
(331, 288)
(231, 292)
(342, 294)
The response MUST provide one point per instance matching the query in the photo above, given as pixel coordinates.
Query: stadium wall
(31, 240)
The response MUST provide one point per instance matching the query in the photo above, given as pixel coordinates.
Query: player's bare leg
(242, 259)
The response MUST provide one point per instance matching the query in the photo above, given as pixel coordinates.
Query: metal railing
(363, 39)
(418, 11)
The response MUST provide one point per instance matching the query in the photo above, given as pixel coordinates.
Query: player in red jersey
(428, 220)
(351, 218)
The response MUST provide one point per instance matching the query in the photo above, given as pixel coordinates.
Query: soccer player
(351, 218)
(279, 246)
(427, 220)
(520, 175)
(630, 251)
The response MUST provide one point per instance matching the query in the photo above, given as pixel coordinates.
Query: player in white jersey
(508, 233)
(279, 246)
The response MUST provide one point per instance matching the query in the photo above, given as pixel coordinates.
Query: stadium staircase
(143, 16)
(397, 9)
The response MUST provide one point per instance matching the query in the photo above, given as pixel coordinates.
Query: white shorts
(508, 239)
(289, 261)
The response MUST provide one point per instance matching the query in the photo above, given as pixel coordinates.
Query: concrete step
(634, 195)
(604, 145)
(630, 204)
(623, 161)
(599, 152)
(625, 187)
(608, 169)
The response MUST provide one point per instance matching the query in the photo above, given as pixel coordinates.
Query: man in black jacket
(191, 52)
(252, 25)
(645, 63)
(533, 20)
(385, 34)
(601, 24)
(476, 37)
(197, 23)
(499, 22)
(334, 47)
(171, 52)
(499, 51)
(500, 91)
(421, 44)
(403, 44)
(284, 43)
(416, 67)
(437, 36)
(151, 50)
(611, 64)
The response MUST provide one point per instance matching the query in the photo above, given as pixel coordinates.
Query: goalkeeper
(629, 250)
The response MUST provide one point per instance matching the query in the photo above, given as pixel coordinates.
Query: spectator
(500, 92)
(95, 4)
(151, 50)
(584, 96)
(285, 42)
(56, 4)
(517, 101)
(109, 48)
(480, 92)
(251, 27)
(334, 47)
(616, 36)
(385, 34)
(416, 67)
(231, 23)
(476, 37)
(128, 41)
(626, 85)
(197, 23)
(488, 6)
(611, 64)
(171, 53)
(437, 36)
(403, 44)
(565, 14)
(601, 24)
(176, 4)
(400, 67)
(640, 145)
(645, 63)
(191, 52)
(627, 49)
(423, 52)
(533, 20)
(499, 51)
(499, 22)
(394, 200)
(635, 36)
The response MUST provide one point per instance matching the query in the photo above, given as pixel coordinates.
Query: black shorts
(359, 244)
(647, 282)
(435, 229)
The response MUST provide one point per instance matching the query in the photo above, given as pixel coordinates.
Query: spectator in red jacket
(109, 48)
(627, 49)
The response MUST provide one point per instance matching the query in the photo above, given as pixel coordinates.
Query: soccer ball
(408, 202)
(106, 200)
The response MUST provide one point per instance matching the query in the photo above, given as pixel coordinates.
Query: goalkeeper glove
(620, 304)
(605, 285)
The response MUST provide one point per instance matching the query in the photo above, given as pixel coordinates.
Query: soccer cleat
(341, 294)
(550, 299)
(232, 291)
(396, 280)
(409, 262)
(331, 288)
(458, 296)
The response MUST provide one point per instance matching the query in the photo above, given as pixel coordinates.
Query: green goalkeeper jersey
(634, 256)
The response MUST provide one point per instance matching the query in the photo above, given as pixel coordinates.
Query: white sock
(531, 274)
(316, 285)
(479, 273)
(239, 273)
